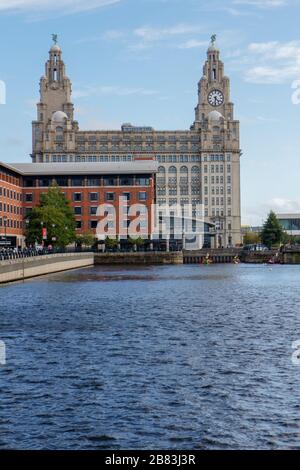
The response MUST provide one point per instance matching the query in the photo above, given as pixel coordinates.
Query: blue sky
(139, 61)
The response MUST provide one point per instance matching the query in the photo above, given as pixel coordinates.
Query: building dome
(215, 116)
(59, 117)
(55, 48)
(213, 48)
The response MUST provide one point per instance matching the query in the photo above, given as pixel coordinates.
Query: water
(185, 357)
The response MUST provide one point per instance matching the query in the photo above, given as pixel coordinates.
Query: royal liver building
(196, 166)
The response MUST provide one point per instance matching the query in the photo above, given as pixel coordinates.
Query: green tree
(272, 233)
(56, 216)
(111, 243)
(86, 239)
(251, 238)
(138, 241)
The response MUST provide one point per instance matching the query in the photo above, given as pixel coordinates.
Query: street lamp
(27, 221)
(5, 224)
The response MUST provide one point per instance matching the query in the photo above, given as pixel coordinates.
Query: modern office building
(196, 166)
(290, 223)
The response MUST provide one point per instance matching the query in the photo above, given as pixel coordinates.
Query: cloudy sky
(139, 61)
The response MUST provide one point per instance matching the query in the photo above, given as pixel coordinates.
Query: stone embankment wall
(139, 258)
(24, 268)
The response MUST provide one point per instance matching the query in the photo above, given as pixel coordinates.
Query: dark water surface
(187, 357)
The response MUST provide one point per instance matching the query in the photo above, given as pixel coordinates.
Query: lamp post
(5, 232)
(27, 221)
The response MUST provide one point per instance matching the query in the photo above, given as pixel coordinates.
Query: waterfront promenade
(23, 268)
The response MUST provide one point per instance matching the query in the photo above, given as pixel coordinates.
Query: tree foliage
(111, 243)
(55, 215)
(136, 241)
(86, 239)
(251, 238)
(272, 233)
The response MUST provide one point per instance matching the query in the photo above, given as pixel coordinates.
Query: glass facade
(290, 224)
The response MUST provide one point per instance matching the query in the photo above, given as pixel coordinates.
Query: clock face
(215, 98)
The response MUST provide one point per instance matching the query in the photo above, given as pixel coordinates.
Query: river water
(180, 357)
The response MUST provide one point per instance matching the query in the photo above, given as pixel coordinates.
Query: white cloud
(256, 216)
(275, 62)
(65, 6)
(261, 3)
(192, 43)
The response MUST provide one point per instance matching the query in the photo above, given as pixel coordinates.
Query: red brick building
(11, 206)
(89, 188)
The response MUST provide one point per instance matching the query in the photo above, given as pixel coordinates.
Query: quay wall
(24, 268)
(215, 255)
(291, 257)
(139, 258)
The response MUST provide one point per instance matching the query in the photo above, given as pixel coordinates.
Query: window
(142, 196)
(94, 196)
(61, 181)
(78, 224)
(93, 182)
(127, 196)
(45, 182)
(142, 181)
(29, 182)
(77, 182)
(93, 210)
(109, 196)
(28, 197)
(93, 224)
(77, 197)
(77, 210)
(126, 181)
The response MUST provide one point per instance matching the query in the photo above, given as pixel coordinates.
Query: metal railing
(13, 253)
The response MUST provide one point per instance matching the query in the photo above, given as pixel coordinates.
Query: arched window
(59, 134)
(184, 170)
(195, 174)
(173, 170)
(184, 175)
(161, 176)
(172, 175)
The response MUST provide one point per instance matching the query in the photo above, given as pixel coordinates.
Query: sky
(139, 61)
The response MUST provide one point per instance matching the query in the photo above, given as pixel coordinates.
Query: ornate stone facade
(196, 166)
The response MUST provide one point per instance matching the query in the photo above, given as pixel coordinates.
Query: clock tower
(55, 128)
(220, 150)
(214, 87)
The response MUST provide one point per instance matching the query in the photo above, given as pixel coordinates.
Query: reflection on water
(200, 357)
